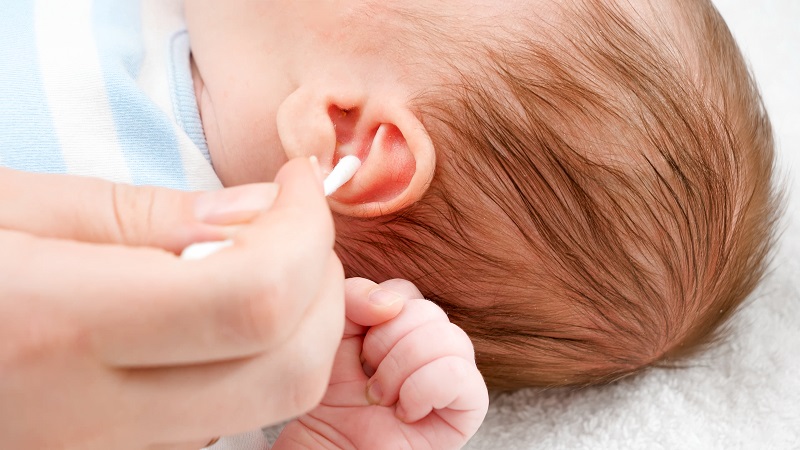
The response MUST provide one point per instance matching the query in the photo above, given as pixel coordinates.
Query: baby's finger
(453, 387)
(421, 346)
(403, 287)
(369, 303)
(347, 376)
(382, 338)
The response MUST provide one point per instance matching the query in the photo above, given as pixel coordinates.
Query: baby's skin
(409, 382)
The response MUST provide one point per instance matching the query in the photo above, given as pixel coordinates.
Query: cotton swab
(204, 249)
(341, 174)
(344, 171)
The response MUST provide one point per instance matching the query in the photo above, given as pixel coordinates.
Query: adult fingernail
(235, 205)
(316, 168)
(374, 393)
(382, 297)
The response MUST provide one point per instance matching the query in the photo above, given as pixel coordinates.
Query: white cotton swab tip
(203, 249)
(341, 174)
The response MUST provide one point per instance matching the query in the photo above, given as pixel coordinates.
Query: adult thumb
(98, 211)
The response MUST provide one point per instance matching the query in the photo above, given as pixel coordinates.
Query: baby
(104, 88)
(583, 185)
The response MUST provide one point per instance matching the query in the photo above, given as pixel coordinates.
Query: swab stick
(341, 174)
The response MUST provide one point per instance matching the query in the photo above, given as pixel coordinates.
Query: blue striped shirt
(101, 88)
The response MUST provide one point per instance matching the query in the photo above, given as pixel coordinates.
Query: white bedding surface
(744, 394)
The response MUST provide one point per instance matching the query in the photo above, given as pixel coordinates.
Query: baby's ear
(398, 161)
(397, 156)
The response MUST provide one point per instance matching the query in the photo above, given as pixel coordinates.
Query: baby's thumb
(98, 211)
(368, 303)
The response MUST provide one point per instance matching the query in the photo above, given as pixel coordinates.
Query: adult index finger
(94, 210)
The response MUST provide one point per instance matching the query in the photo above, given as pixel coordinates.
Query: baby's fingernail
(235, 205)
(374, 393)
(382, 297)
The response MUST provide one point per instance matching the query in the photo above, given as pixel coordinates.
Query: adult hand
(104, 345)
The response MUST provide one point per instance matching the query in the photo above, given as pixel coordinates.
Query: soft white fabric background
(744, 394)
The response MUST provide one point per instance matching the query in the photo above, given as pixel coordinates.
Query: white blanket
(745, 394)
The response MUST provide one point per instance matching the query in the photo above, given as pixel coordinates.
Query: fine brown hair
(603, 200)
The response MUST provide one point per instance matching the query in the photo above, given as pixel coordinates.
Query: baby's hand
(409, 383)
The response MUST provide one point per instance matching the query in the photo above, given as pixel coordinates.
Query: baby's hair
(603, 199)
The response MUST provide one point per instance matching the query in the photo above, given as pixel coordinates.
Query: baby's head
(583, 185)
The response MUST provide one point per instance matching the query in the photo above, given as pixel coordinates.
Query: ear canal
(344, 121)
